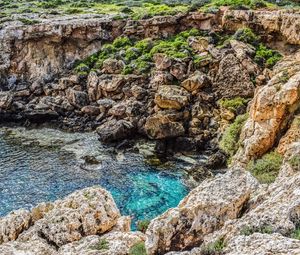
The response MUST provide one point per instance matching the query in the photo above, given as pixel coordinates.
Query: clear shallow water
(44, 165)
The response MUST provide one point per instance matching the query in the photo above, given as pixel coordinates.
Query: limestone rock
(77, 98)
(90, 110)
(161, 126)
(262, 244)
(179, 70)
(93, 88)
(86, 212)
(112, 66)
(232, 79)
(162, 61)
(35, 247)
(199, 44)
(195, 82)
(115, 130)
(171, 97)
(271, 107)
(5, 100)
(203, 211)
(116, 243)
(13, 224)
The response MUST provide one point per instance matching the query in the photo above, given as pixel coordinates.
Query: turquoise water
(44, 165)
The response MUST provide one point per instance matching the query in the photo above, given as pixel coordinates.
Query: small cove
(46, 164)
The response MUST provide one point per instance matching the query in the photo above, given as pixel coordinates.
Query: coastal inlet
(44, 165)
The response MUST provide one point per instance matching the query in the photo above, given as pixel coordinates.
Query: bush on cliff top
(229, 141)
(266, 168)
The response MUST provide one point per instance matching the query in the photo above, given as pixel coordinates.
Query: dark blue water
(45, 165)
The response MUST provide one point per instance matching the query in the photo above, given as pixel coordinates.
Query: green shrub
(103, 244)
(28, 21)
(249, 230)
(142, 225)
(296, 233)
(215, 248)
(295, 162)
(82, 69)
(122, 42)
(266, 168)
(265, 56)
(233, 104)
(246, 35)
(229, 141)
(138, 249)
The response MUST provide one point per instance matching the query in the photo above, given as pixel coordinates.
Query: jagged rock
(195, 82)
(269, 117)
(58, 104)
(203, 211)
(105, 104)
(275, 209)
(13, 224)
(93, 88)
(162, 61)
(118, 110)
(262, 244)
(112, 66)
(179, 70)
(77, 98)
(116, 243)
(6, 99)
(86, 212)
(113, 130)
(34, 247)
(67, 82)
(291, 136)
(161, 126)
(171, 97)
(111, 83)
(232, 79)
(91, 110)
(161, 78)
(199, 44)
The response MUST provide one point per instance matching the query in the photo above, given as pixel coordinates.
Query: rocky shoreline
(178, 104)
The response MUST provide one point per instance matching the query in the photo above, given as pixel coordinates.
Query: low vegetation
(296, 233)
(142, 225)
(266, 168)
(101, 245)
(138, 249)
(229, 141)
(233, 104)
(138, 55)
(249, 230)
(136, 9)
(215, 248)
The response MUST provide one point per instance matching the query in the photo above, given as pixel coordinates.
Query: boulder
(204, 210)
(161, 126)
(171, 97)
(179, 70)
(67, 82)
(199, 44)
(14, 224)
(195, 82)
(112, 66)
(6, 99)
(91, 110)
(77, 98)
(111, 83)
(162, 61)
(115, 130)
(115, 243)
(85, 212)
(232, 79)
